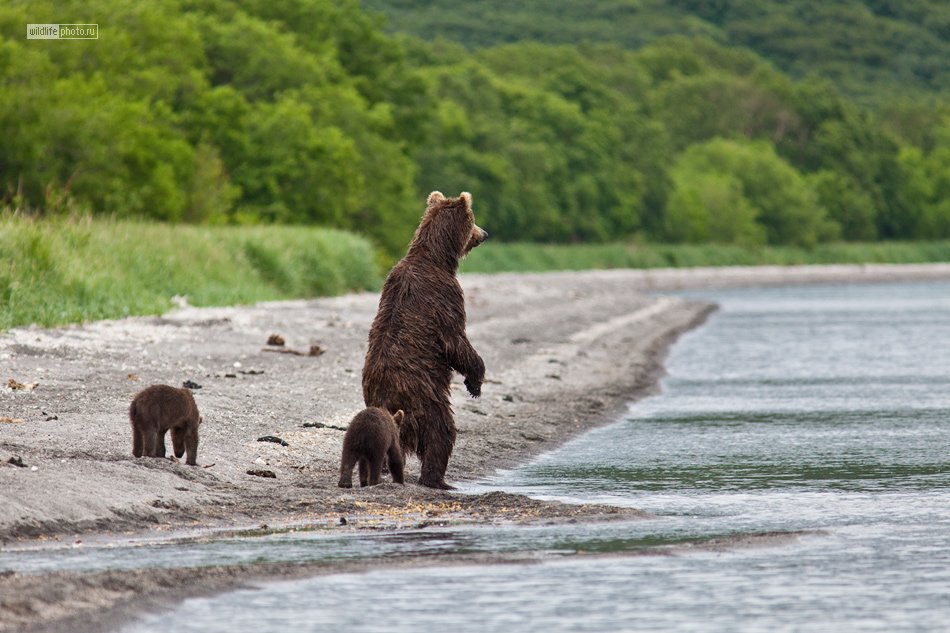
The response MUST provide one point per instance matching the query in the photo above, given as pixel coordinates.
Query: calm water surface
(809, 408)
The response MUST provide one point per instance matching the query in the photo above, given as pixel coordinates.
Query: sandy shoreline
(564, 352)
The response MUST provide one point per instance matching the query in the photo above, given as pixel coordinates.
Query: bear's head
(447, 231)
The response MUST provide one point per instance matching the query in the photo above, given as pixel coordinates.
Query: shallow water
(807, 408)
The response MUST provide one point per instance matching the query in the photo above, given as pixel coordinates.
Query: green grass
(58, 271)
(521, 257)
(65, 271)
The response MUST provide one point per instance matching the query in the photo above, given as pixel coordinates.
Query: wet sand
(564, 352)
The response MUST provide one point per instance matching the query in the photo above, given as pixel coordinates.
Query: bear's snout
(479, 235)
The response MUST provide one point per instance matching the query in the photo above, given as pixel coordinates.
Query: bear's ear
(434, 198)
(398, 417)
(467, 197)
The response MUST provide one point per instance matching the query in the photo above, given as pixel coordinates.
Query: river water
(822, 409)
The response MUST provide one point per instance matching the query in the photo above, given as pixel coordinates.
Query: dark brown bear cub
(418, 337)
(372, 435)
(159, 409)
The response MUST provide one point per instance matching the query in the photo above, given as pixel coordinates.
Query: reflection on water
(807, 408)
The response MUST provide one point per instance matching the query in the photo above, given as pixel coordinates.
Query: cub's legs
(178, 441)
(137, 442)
(150, 440)
(346, 471)
(364, 472)
(375, 466)
(190, 439)
(160, 446)
(395, 464)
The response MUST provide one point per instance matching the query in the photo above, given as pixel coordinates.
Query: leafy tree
(847, 203)
(711, 207)
(747, 181)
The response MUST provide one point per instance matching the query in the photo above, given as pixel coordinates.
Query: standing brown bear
(372, 436)
(418, 336)
(159, 409)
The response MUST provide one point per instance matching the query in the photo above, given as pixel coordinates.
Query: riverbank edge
(100, 601)
(55, 602)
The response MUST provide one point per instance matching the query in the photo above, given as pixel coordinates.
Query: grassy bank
(494, 257)
(65, 271)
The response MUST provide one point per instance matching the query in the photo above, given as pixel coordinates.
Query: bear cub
(159, 409)
(372, 435)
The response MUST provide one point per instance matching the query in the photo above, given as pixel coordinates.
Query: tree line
(870, 48)
(308, 112)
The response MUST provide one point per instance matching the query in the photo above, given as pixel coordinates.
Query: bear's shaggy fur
(371, 436)
(418, 336)
(159, 409)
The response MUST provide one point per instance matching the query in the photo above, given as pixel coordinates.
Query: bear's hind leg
(346, 471)
(433, 470)
(375, 467)
(395, 463)
(439, 438)
(178, 441)
(160, 445)
(364, 472)
(138, 442)
(149, 443)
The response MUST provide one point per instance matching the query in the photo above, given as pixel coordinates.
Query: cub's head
(447, 231)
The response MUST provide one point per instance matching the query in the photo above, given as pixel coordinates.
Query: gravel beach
(564, 352)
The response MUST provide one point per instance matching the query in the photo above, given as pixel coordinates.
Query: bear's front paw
(474, 387)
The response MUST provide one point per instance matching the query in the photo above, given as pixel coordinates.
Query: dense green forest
(676, 122)
(867, 47)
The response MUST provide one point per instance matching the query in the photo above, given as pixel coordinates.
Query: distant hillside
(307, 112)
(872, 49)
